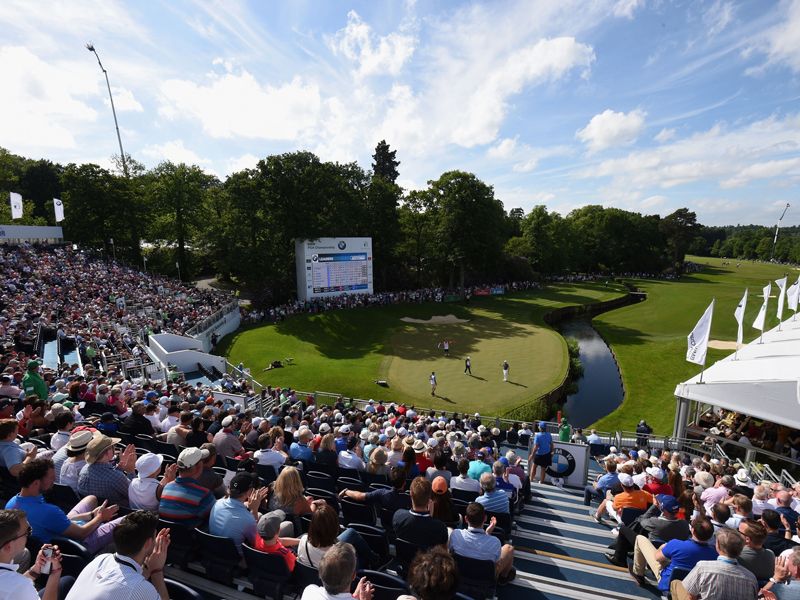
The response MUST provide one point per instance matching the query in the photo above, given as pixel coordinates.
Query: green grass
(345, 351)
(649, 339)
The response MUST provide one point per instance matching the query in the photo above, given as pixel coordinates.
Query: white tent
(761, 381)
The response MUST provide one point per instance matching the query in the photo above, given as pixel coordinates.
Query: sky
(645, 105)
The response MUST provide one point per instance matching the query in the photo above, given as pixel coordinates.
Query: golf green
(346, 351)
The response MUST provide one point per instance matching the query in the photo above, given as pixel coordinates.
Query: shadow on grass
(616, 334)
(517, 384)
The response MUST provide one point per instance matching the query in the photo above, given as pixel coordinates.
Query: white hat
(257, 421)
(495, 431)
(190, 457)
(643, 454)
(390, 432)
(344, 429)
(743, 477)
(324, 428)
(477, 414)
(433, 442)
(625, 480)
(613, 449)
(655, 473)
(364, 435)
(227, 421)
(402, 432)
(148, 464)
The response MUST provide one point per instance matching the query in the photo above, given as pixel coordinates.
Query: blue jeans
(590, 492)
(364, 554)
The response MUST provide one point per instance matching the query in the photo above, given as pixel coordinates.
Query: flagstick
(703, 370)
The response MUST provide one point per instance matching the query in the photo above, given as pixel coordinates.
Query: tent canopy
(762, 381)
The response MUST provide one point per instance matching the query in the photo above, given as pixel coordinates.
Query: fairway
(345, 351)
(649, 339)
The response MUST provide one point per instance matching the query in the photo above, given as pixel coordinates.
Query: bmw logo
(342, 245)
(563, 464)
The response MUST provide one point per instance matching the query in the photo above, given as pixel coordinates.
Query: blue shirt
(46, 520)
(475, 543)
(607, 481)
(683, 554)
(300, 452)
(10, 454)
(478, 468)
(495, 501)
(340, 444)
(230, 518)
(544, 441)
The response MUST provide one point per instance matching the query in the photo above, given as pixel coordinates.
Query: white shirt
(112, 577)
(465, 483)
(155, 421)
(310, 555)
(169, 423)
(270, 457)
(15, 586)
(59, 439)
(316, 592)
(350, 460)
(70, 471)
(142, 493)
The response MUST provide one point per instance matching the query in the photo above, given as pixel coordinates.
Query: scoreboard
(333, 266)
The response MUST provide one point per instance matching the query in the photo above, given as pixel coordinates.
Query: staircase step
(570, 530)
(556, 588)
(537, 501)
(556, 515)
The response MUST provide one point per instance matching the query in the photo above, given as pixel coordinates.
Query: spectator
(269, 453)
(433, 575)
(721, 579)
(184, 500)
(720, 513)
(743, 484)
(604, 483)
(442, 504)
(12, 455)
(377, 462)
(779, 532)
(327, 455)
(32, 383)
(177, 434)
(323, 533)
(629, 497)
(209, 478)
(478, 466)
(493, 499)
(198, 435)
(287, 496)
(100, 478)
(236, 516)
(88, 523)
(63, 422)
(135, 571)
(136, 423)
(760, 500)
(541, 453)
(144, 492)
(75, 458)
(743, 509)
(785, 581)
(463, 481)
(299, 450)
(416, 525)
(392, 499)
(270, 541)
(172, 418)
(15, 531)
(654, 482)
(352, 457)
(643, 432)
(754, 557)
(784, 507)
(337, 570)
(719, 493)
(476, 543)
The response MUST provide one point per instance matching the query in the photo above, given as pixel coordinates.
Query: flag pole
(710, 321)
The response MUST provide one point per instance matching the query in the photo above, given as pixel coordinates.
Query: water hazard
(600, 388)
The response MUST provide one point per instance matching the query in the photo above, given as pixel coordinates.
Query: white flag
(59, 208)
(739, 314)
(177, 266)
(781, 295)
(793, 295)
(761, 317)
(698, 339)
(766, 292)
(16, 205)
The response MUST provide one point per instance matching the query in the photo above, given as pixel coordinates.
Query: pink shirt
(713, 496)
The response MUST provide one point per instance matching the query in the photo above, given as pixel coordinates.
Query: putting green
(346, 351)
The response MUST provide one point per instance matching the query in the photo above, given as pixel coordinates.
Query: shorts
(543, 460)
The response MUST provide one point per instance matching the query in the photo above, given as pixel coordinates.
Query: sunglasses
(27, 533)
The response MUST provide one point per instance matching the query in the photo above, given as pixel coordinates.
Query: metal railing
(211, 321)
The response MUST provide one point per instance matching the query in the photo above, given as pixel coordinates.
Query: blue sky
(647, 105)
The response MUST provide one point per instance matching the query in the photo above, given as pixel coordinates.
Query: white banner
(16, 205)
(793, 295)
(58, 206)
(739, 314)
(761, 317)
(766, 292)
(781, 283)
(698, 339)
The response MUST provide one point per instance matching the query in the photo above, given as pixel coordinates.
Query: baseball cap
(227, 421)
(324, 428)
(439, 485)
(655, 473)
(625, 480)
(344, 429)
(269, 525)
(668, 503)
(147, 464)
(190, 457)
(242, 482)
(97, 446)
(433, 442)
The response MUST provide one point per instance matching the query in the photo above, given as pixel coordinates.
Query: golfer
(433, 383)
(505, 370)
(468, 366)
(446, 346)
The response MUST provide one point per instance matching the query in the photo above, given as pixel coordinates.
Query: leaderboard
(333, 266)
(339, 272)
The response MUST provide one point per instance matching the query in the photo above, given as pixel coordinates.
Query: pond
(600, 388)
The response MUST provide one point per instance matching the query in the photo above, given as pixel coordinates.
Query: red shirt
(277, 548)
(658, 488)
(423, 462)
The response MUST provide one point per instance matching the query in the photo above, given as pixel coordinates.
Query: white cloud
(718, 16)
(505, 148)
(373, 55)
(240, 163)
(664, 135)
(43, 102)
(124, 100)
(626, 8)
(781, 43)
(653, 201)
(610, 128)
(237, 105)
(523, 157)
(174, 151)
(789, 167)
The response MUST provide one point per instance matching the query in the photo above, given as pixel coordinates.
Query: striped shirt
(495, 501)
(185, 501)
(721, 580)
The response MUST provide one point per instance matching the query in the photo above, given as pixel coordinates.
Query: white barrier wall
(183, 352)
(228, 324)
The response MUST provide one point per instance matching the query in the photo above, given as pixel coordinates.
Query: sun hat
(391, 432)
(189, 457)
(148, 464)
(97, 446)
(378, 456)
(269, 525)
(433, 442)
(439, 485)
(227, 421)
(419, 447)
(704, 479)
(495, 431)
(78, 440)
(743, 478)
(324, 428)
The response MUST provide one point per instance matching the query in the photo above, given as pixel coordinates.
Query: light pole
(90, 48)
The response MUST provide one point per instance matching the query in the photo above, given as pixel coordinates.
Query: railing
(210, 321)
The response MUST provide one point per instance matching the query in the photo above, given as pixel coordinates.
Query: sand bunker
(438, 320)
(720, 345)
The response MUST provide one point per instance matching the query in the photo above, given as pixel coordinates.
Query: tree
(384, 163)
(417, 229)
(40, 182)
(383, 225)
(678, 229)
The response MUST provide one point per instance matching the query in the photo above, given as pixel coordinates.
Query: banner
(739, 314)
(761, 317)
(453, 298)
(781, 295)
(58, 206)
(498, 290)
(793, 295)
(767, 291)
(482, 292)
(16, 205)
(698, 338)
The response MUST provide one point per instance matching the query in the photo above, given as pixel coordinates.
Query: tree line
(752, 242)
(454, 232)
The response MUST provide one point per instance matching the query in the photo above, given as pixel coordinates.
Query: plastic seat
(266, 473)
(72, 564)
(183, 543)
(386, 515)
(629, 515)
(465, 495)
(379, 486)
(219, 556)
(372, 478)
(357, 512)
(179, 591)
(386, 586)
(503, 522)
(160, 447)
(352, 473)
(63, 496)
(477, 578)
(232, 463)
(68, 546)
(351, 484)
(144, 441)
(321, 481)
(303, 576)
(377, 541)
(267, 573)
(329, 497)
(406, 551)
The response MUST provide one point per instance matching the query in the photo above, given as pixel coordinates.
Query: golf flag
(698, 339)
(766, 292)
(16, 205)
(59, 208)
(739, 314)
(781, 295)
(761, 317)
(793, 295)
